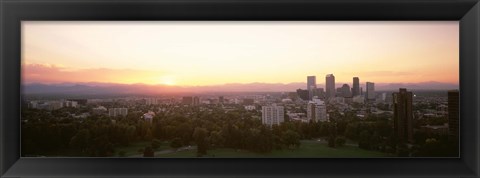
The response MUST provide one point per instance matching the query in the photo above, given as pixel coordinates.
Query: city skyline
(208, 54)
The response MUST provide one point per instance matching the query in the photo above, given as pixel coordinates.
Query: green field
(133, 148)
(307, 149)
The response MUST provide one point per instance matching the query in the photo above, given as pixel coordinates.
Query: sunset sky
(212, 53)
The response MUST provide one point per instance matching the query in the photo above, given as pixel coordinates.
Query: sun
(167, 80)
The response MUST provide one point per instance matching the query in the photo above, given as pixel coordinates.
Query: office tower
(196, 100)
(311, 86)
(346, 93)
(316, 110)
(302, 94)
(370, 91)
(453, 114)
(403, 115)
(356, 86)
(272, 115)
(187, 100)
(330, 86)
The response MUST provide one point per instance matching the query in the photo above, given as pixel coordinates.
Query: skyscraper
(356, 86)
(272, 115)
(453, 107)
(316, 110)
(403, 115)
(346, 93)
(370, 91)
(311, 86)
(330, 86)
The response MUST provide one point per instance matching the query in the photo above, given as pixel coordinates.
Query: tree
(80, 140)
(176, 143)
(121, 153)
(148, 152)
(364, 140)
(331, 141)
(155, 144)
(291, 138)
(200, 135)
(340, 141)
(402, 150)
(216, 138)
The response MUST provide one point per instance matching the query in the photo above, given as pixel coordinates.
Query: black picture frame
(12, 12)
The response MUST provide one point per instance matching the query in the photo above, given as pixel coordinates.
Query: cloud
(49, 73)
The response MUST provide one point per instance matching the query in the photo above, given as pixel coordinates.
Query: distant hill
(112, 88)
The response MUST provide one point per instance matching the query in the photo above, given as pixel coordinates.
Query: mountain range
(113, 88)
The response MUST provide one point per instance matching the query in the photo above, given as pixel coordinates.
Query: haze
(215, 53)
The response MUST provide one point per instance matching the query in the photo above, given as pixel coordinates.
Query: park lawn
(133, 148)
(307, 149)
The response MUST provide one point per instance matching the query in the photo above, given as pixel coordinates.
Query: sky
(201, 53)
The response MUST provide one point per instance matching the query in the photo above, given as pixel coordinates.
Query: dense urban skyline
(215, 53)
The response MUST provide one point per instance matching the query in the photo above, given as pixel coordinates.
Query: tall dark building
(319, 93)
(403, 115)
(356, 86)
(370, 95)
(303, 94)
(346, 93)
(330, 86)
(187, 100)
(453, 107)
(311, 86)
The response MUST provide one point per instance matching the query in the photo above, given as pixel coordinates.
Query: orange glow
(212, 53)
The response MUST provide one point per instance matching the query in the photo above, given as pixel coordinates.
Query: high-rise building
(311, 86)
(221, 100)
(302, 94)
(403, 115)
(319, 93)
(453, 114)
(356, 86)
(272, 115)
(370, 91)
(346, 93)
(330, 86)
(316, 110)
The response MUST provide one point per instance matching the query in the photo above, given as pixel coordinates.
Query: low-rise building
(114, 112)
